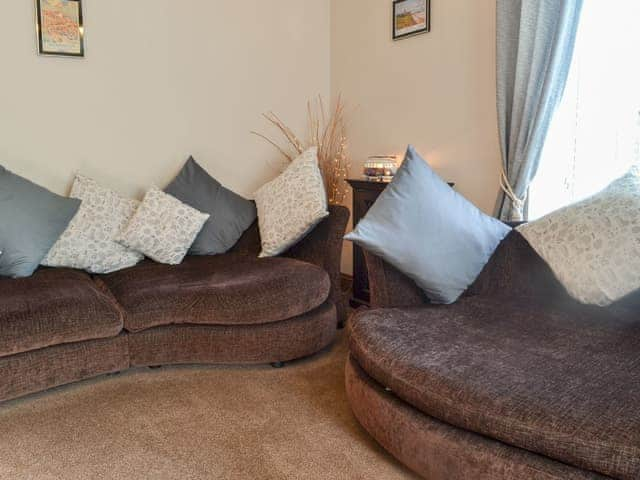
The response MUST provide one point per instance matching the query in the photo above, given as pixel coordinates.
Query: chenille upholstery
(516, 360)
(323, 247)
(227, 289)
(272, 342)
(50, 367)
(52, 307)
(439, 451)
(62, 326)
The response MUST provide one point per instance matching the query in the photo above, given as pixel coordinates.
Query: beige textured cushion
(89, 243)
(593, 246)
(163, 228)
(290, 206)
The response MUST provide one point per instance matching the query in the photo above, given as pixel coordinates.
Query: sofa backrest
(515, 272)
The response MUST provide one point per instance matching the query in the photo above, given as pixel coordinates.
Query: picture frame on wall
(59, 28)
(411, 17)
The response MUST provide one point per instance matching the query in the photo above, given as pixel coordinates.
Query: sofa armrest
(389, 288)
(323, 247)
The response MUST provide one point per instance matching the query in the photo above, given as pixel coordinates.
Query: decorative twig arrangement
(327, 132)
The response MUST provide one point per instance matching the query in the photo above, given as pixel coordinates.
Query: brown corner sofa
(61, 326)
(514, 381)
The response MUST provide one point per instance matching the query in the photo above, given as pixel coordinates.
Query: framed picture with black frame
(59, 28)
(411, 17)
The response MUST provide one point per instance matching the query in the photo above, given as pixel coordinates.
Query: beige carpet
(195, 423)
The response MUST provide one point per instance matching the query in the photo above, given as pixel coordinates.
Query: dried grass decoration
(327, 132)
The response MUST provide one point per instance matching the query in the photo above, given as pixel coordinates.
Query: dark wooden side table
(365, 193)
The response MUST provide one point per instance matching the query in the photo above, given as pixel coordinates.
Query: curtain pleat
(535, 43)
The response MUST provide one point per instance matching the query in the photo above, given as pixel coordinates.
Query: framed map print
(411, 17)
(59, 27)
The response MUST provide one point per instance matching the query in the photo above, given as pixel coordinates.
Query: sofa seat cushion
(229, 289)
(564, 384)
(53, 307)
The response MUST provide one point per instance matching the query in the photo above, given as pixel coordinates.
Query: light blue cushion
(31, 221)
(432, 234)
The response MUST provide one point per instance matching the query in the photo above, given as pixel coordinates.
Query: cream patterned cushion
(88, 242)
(593, 247)
(163, 228)
(290, 206)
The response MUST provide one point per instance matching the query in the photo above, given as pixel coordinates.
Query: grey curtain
(535, 43)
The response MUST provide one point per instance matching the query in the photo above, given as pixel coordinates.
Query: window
(595, 134)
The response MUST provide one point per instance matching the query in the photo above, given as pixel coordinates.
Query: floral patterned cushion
(593, 246)
(290, 206)
(163, 228)
(88, 242)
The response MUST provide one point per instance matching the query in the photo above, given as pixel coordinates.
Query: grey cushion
(31, 221)
(230, 214)
(429, 232)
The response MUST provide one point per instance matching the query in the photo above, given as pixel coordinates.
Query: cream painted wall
(436, 91)
(161, 80)
(164, 79)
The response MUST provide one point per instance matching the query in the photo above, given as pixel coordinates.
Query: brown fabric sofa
(61, 326)
(514, 381)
